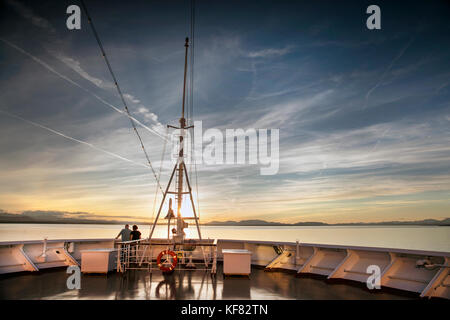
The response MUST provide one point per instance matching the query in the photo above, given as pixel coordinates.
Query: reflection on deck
(192, 285)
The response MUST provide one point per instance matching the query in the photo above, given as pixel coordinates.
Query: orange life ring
(172, 265)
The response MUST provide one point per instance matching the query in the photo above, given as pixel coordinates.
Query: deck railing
(190, 255)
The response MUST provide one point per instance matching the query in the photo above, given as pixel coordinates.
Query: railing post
(119, 258)
(44, 250)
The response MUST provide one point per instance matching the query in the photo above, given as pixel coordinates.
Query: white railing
(143, 255)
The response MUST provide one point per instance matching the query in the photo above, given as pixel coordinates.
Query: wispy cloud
(28, 14)
(386, 72)
(74, 139)
(269, 52)
(141, 109)
(48, 67)
(76, 66)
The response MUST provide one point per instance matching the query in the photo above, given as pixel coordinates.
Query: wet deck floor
(51, 284)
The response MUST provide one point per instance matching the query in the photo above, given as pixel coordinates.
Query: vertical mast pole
(181, 151)
(186, 45)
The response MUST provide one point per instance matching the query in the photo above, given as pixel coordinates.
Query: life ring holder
(172, 265)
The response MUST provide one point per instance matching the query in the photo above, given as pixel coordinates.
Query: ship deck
(190, 285)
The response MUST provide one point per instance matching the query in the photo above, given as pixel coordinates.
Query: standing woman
(135, 235)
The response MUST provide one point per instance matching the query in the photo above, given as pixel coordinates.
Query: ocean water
(403, 237)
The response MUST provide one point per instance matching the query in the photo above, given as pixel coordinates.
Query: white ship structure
(423, 273)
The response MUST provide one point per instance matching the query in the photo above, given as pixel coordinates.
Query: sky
(363, 115)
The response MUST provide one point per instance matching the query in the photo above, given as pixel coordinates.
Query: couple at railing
(128, 235)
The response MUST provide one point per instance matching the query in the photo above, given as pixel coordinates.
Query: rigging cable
(119, 91)
(160, 169)
(191, 87)
(191, 80)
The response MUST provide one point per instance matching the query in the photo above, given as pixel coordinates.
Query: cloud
(131, 98)
(147, 114)
(141, 109)
(269, 52)
(51, 69)
(386, 71)
(74, 139)
(76, 66)
(28, 14)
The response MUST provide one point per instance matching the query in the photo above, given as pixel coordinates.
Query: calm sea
(404, 237)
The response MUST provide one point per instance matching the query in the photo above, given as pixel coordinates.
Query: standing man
(125, 233)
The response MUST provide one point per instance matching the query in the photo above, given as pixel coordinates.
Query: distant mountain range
(63, 217)
(262, 223)
(426, 222)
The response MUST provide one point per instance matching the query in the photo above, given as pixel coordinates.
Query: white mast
(182, 174)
